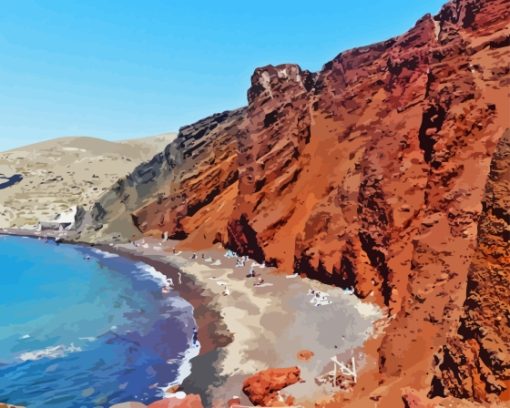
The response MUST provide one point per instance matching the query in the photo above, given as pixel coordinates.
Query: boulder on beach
(305, 355)
(263, 387)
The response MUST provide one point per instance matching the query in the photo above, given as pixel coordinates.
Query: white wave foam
(184, 369)
(104, 254)
(152, 273)
(89, 338)
(193, 350)
(49, 352)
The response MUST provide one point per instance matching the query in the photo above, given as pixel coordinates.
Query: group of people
(319, 298)
(241, 261)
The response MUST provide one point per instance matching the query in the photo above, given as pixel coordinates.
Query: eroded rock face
(476, 362)
(166, 194)
(263, 388)
(204, 175)
(369, 174)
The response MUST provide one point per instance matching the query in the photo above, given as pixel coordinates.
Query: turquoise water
(84, 328)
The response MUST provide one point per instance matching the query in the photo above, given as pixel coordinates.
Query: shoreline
(250, 329)
(212, 332)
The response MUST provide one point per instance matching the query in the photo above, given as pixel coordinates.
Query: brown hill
(55, 175)
(374, 173)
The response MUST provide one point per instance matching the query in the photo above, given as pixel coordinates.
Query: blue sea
(80, 327)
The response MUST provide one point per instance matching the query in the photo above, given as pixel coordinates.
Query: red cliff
(374, 173)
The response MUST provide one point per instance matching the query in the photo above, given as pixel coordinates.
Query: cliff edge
(385, 172)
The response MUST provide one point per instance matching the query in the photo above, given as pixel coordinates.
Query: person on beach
(240, 262)
(195, 336)
(251, 273)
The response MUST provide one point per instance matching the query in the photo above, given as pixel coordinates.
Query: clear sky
(123, 68)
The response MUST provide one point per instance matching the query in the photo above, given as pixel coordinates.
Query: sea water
(80, 327)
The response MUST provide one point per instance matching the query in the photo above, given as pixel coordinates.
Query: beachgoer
(259, 282)
(251, 274)
(195, 336)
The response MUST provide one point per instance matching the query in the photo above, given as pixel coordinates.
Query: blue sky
(119, 69)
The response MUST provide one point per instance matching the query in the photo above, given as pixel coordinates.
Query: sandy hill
(41, 180)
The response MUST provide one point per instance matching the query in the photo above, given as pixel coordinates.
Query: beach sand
(253, 328)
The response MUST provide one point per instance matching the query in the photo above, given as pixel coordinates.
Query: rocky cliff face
(372, 174)
(166, 193)
(475, 363)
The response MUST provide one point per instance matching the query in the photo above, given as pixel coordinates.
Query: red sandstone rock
(373, 174)
(233, 402)
(305, 355)
(475, 362)
(263, 387)
(412, 399)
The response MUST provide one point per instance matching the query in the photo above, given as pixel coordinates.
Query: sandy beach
(244, 327)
